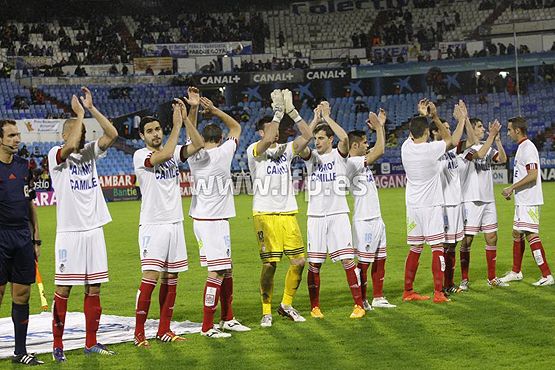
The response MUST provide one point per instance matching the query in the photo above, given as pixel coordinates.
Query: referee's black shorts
(17, 257)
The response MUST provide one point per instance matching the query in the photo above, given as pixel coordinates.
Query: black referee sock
(20, 318)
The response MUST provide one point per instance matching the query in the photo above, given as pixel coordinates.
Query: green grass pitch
(484, 328)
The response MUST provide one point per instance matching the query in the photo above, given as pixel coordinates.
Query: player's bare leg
(266, 291)
(354, 285)
(411, 266)
(59, 310)
(292, 281)
(466, 243)
(538, 253)
(142, 306)
(168, 292)
(228, 320)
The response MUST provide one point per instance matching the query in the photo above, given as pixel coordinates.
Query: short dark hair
(474, 121)
(356, 136)
(212, 133)
(323, 127)
(520, 123)
(261, 122)
(145, 121)
(4, 122)
(418, 126)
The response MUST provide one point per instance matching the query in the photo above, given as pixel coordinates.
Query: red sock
(363, 268)
(352, 279)
(518, 253)
(93, 310)
(143, 304)
(166, 310)
(438, 267)
(162, 293)
(226, 297)
(211, 296)
(411, 266)
(378, 273)
(450, 260)
(59, 310)
(313, 281)
(491, 257)
(539, 255)
(465, 261)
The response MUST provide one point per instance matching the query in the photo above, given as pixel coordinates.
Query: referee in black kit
(19, 235)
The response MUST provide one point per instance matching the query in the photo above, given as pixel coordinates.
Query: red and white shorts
(425, 225)
(479, 217)
(214, 243)
(81, 258)
(454, 223)
(162, 247)
(329, 234)
(369, 239)
(527, 218)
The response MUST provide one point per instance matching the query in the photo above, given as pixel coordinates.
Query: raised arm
(110, 134)
(233, 126)
(167, 151)
(315, 120)
(271, 129)
(377, 122)
(302, 140)
(459, 116)
(343, 145)
(193, 99)
(75, 130)
(493, 131)
(443, 131)
(197, 141)
(502, 155)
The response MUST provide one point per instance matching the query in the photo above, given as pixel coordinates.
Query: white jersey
(327, 183)
(363, 189)
(476, 176)
(80, 204)
(450, 181)
(527, 158)
(160, 192)
(212, 184)
(422, 168)
(272, 181)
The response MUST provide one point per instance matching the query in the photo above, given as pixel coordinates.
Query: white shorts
(527, 218)
(329, 234)
(369, 239)
(479, 217)
(425, 225)
(81, 258)
(453, 218)
(214, 244)
(162, 247)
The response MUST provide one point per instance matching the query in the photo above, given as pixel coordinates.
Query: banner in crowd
(198, 49)
(393, 50)
(112, 329)
(31, 61)
(160, 63)
(45, 198)
(253, 78)
(43, 125)
(328, 74)
(330, 6)
(470, 46)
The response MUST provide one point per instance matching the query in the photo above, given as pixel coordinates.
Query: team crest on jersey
(228, 252)
(261, 235)
(62, 267)
(145, 252)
